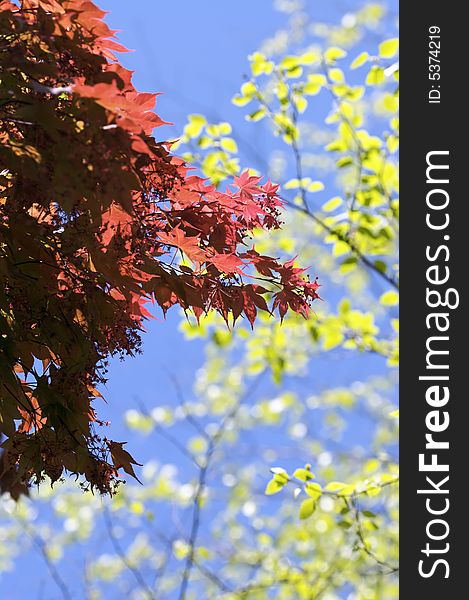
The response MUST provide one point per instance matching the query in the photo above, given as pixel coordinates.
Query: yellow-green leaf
(308, 58)
(389, 48)
(360, 60)
(303, 475)
(248, 89)
(335, 486)
(273, 487)
(315, 186)
(375, 75)
(336, 75)
(301, 104)
(260, 65)
(257, 115)
(307, 508)
(195, 126)
(229, 145)
(292, 184)
(241, 100)
(313, 490)
(390, 298)
(224, 128)
(332, 204)
(332, 54)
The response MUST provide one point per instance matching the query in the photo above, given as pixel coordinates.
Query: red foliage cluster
(94, 215)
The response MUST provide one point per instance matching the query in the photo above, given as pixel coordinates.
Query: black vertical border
(427, 127)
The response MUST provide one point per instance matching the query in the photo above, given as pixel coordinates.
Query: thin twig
(201, 485)
(168, 436)
(343, 238)
(120, 552)
(183, 405)
(304, 208)
(42, 547)
(196, 520)
(363, 544)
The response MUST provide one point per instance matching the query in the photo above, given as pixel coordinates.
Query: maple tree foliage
(95, 215)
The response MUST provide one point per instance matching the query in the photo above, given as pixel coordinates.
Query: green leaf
(139, 422)
(332, 54)
(392, 143)
(307, 508)
(289, 62)
(375, 75)
(248, 89)
(349, 264)
(314, 84)
(205, 142)
(336, 75)
(344, 524)
(381, 266)
(213, 130)
(195, 126)
(332, 338)
(136, 508)
(241, 100)
(291, 66)
(389, 48)
(348, 490)
(294, 73)
(301, 103)
(292, 184)
(373, 490)
(360, 60)
(224, 128)
(340, 248)
(308, 58)
(355, 93)
(203, 553)
(180, 549)
(311, 89)
(257, 115)
(197, 445)
(391, 103)
(345, 161)
(332, 204)
(260, 65)
(335, 486)
(278, 481)
(313, 490)
(229, 145)
(273, 487)
(303, 475)
(315, 186)
(390, 298)
(345, 305)
(282, 90)
(336, 146)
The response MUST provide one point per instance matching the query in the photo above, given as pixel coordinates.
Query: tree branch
(120, 552)
(201, 485)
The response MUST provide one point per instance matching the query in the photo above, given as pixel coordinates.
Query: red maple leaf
(227, 263)
(97, 235)
(188, 244)
(248, 185)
